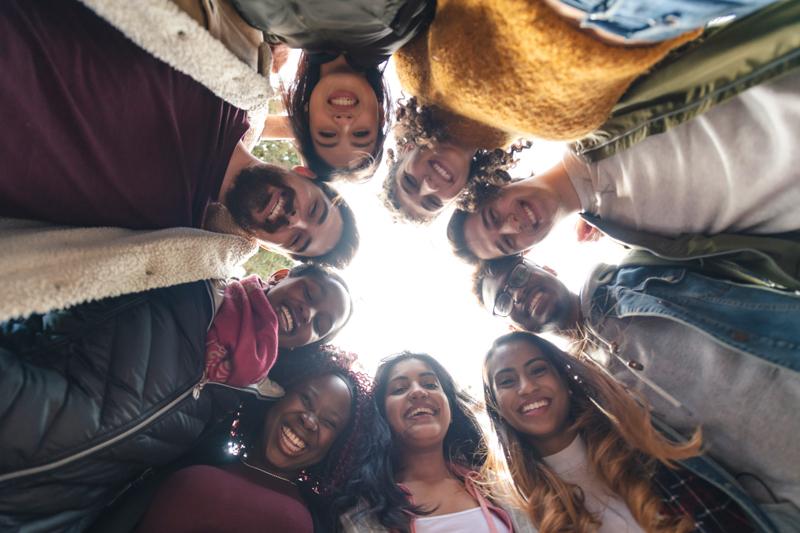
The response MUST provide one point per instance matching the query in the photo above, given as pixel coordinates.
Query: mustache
(288, 197)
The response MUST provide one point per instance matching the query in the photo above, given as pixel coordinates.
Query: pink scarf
(242, 343)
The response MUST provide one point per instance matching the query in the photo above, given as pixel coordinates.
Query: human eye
(326, 134)
(539, 370)
(410, 182)
(307, 294)
(508, 243)
(322, 325)
(330, 423)
(313, 209)
(493, 216)
(361, 133)
(306, 399)
(295, 240)
(505, 382)
(433, 203)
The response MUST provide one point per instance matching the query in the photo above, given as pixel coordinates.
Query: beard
(251, 191)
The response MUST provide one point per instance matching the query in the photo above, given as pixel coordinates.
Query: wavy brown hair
(624, 449)
(417, 126)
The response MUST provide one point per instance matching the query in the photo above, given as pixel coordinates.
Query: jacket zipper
(96, 448)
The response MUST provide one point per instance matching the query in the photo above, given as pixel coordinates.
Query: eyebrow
(324, 214)
(484, 219)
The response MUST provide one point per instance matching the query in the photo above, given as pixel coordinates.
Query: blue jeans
(758, 321)
(654, 21)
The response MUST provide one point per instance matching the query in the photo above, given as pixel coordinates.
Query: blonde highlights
(623, 449)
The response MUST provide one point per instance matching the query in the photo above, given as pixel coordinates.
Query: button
(636, 365)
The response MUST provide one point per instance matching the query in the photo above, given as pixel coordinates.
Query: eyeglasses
(504, 302)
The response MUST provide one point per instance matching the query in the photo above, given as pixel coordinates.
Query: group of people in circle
(145, 389)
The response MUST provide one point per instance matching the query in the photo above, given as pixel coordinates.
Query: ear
(550, 270)
(305, 172)
(276, 277)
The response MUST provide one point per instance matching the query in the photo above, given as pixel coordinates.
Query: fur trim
(166, 32)
(46, 267)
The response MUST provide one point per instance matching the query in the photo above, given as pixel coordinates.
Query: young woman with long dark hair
(583, 454)
(419, 470)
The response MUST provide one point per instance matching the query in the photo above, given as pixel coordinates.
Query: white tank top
(469, 521)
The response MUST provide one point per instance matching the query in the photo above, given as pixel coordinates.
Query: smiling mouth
(286, 320)
(278, 209)
(291, 442)
(443, 172)
(419, 412)
(535, 408)
(343, 100)
(531, 215)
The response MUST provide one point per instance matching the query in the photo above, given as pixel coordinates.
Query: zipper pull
(199, 387)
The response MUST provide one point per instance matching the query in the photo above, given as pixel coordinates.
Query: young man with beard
(98, 132)
(712, 340)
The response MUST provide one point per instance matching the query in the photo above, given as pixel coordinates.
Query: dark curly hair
(374, 483)
(317, 482)
(296, 98)
(416, 126)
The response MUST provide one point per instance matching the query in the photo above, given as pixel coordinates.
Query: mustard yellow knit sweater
(518, 67)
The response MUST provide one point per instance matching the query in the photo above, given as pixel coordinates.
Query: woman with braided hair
(442, 158)
(293, 455)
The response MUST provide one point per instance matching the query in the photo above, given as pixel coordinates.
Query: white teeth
(535, 405)
(420, 410)
(440, 170)
(531, 215)
(295, 443)
(287, 319)
(277, 210)
(343, 101)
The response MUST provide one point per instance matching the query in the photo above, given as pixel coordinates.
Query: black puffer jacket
(92, 396)
(368, 31)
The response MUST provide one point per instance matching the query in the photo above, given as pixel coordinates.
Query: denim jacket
(648, 21)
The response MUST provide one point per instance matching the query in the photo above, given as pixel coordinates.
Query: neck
(557, 180)
(240, 159)
(553, 444)
(426, 466)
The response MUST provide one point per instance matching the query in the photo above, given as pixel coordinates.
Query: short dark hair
(347, 245)
(491, 267)
(320, 272)
(458, 241)
(296, 99)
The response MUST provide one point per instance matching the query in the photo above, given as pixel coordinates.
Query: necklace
(267, 472)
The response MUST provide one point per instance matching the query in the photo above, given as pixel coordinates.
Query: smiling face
(427, 180)
(343, 115)
(529, 296)
(309, 308)
(301, 428)
(416, 407)
(286, 209)
(531, 396)
(521, 215)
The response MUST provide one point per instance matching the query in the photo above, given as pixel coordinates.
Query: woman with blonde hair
(584, 455)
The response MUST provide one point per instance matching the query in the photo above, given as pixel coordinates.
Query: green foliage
(277, 153)
(264, 263)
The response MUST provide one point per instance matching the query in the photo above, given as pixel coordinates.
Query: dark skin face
(308, 308)
(542, 303)
(300, 429)
(531, 395)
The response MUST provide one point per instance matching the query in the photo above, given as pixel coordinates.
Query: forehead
(513, 354)
(330, 386)
(479, 239)
(410, 368)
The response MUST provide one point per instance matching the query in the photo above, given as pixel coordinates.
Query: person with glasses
(710, 341)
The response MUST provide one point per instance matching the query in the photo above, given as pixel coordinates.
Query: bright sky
(411, 293)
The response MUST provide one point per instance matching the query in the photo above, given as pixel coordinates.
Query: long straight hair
(623, 449)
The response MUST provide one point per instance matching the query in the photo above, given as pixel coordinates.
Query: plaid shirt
(713, 511)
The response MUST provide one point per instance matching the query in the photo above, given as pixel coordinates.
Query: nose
(510, 225)
(517, 295)
(310, 421)
(526, 385)
(296, 220)
(417, 392)
(427, 187)
(343, 119)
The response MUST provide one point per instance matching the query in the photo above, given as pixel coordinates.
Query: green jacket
(766, 260)
(721, 64)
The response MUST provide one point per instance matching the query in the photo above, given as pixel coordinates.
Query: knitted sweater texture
(517, 66)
